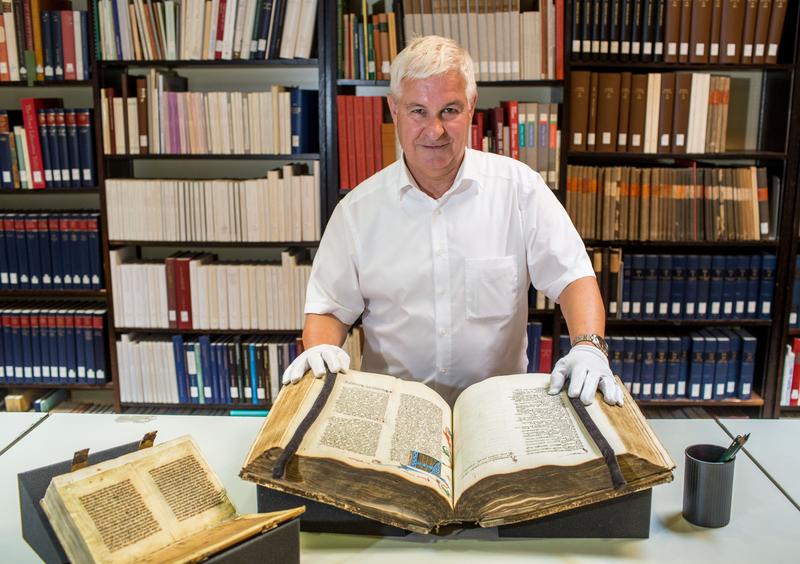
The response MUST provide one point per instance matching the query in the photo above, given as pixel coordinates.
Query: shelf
(688, 322)
(480, 83)
(243, 63)
(541, 312)
(682, 67)
(590, 157)
(243, 332)
(64, 385)
(790, 408)
(682, 244)
(213, 156)
(246, 406)
(97, 294)
(756, 401)
(49, 191)
(794, 332)
(236, 244)
(47, 84)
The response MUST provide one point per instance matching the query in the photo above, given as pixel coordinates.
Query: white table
(15, 424)
(224, 441)
(775, 444)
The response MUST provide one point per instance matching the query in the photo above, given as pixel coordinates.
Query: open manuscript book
(392, 450)
(159, 504)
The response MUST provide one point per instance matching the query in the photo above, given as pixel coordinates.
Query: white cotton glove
(316, 359)
(587, 369)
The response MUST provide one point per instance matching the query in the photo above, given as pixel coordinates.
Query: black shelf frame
(48, 84)
(213, 157)
(49, 192)
(67, 294)
(217, 63)
(65, 385)
(197, 406)
(248, 332)
(217, 244)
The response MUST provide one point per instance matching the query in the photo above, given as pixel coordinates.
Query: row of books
(156, 114)
(367, 43)
(680, 112)
(526, 131)
(672, 204)
(674, 287)
(540, 349)
(46, 146)
(227, 30)
(203, 370)
(678, 31)
(50, 251)
(52, 344)
(710, 364)
(537, 300)
(196, 291)
(284, 206)
(790, 381)
(366, 143)
(507, 39)
(794, 311)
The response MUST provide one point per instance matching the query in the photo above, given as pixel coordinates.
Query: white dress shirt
(442, 285)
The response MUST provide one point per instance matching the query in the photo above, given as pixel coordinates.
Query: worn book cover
(394, 451)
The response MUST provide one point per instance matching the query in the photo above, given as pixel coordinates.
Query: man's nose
(435, 127)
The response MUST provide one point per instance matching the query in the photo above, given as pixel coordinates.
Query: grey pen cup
(707, 486)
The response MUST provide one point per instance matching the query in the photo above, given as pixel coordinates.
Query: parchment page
(382, 422)
(506, 424)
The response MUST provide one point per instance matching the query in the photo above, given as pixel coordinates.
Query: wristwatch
(594, 339)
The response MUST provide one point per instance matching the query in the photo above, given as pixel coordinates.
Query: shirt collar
(466, 177)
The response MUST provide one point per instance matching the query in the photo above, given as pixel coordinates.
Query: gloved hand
(587, 369)
(316, 358)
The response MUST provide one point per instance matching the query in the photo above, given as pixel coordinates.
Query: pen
(731, 451)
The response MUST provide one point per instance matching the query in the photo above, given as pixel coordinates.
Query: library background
(164, 188)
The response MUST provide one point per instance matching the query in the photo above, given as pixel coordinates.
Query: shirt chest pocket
(491, 287)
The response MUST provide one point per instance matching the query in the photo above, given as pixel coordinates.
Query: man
(436, 252)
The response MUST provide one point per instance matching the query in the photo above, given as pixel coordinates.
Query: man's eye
(418, 111)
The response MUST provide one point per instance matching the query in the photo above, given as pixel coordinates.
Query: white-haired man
(436, 252)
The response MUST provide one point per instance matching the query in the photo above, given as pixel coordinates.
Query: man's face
(433, 119)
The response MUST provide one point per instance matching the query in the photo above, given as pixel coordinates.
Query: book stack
(219, 30)
(680, 112)
(192, 291)
(366, 143)
(44, 44)
(367, 42)
(156, 115)
(539, 301)
(45, 146)
(710, 364)
(284, 206)
(678, 31)
(52, 345)
(50, 251)
(203, 370)
(672, 204)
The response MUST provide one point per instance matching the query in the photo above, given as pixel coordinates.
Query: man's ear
(392, 106)
(473, 103)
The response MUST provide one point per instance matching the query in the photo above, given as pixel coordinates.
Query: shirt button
(439, 252)
(443, 332)
(437, 212)
(440, 292)
(443, 370)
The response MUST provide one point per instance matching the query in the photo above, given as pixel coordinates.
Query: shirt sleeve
(333, 285)
(556, 255)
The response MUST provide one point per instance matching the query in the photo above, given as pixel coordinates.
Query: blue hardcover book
(73, 153)
(753, 280)
(89, 354)
(52, 147)
(225, 374)
(21, 252)
(795, 305)
(534, 345)
(734, 353)
(218, 372)
(63, 148)
(716, 287)
(117, 28)
(181, 375)
(650, 290)
(37, 342)
(18, 369)
(71, 349)
(274, 47)
(677, 293)
(664, 289)
(191, 372)
(660, 378)
(85, 150)
(204, 345)
(9, 349)
(616, 347)
(721, 365)
(98, 334)
(747, 364)
(263, 29)
(56, 253)
(673, 371)
(253, 376)
(626, 288)
(84, 250)
(564, 344)
(238, 371)
(58, 44)
(27, 348)
(740, 288)
(69, 244)
(10, 230)
(201, 377)
(32, 251)
(305, 121)
(84, 23)
(766, 286)
(3, 352)
(637, 286)
(729, 284)
(61, 338)
(52, 343)
(80, 346)
(695, 382)
(6, 180)
(95, 268)
(637, 368)
(45, 258)
(5, 283)
(47, 46)
(41, 119)
(647, 373)
(709, 363)
(44, 346)
(703, 287)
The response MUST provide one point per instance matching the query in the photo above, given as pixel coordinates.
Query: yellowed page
(378, 422)
(506, 424)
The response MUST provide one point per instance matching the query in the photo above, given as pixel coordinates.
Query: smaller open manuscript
(158, 504)
(392, 450)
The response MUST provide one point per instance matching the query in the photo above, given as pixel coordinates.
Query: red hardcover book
(794, 396)
(183, 292)
(172, 311)
(360, 140)
(221, 29)
(350, 112)
(375, 123)
(341, 136)
(5, 75)
(68, 44)
(559, 40)
(30, 107)
(478, 128)
(545, 354)
(364, 105)
(496, 118)
(512, 119)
